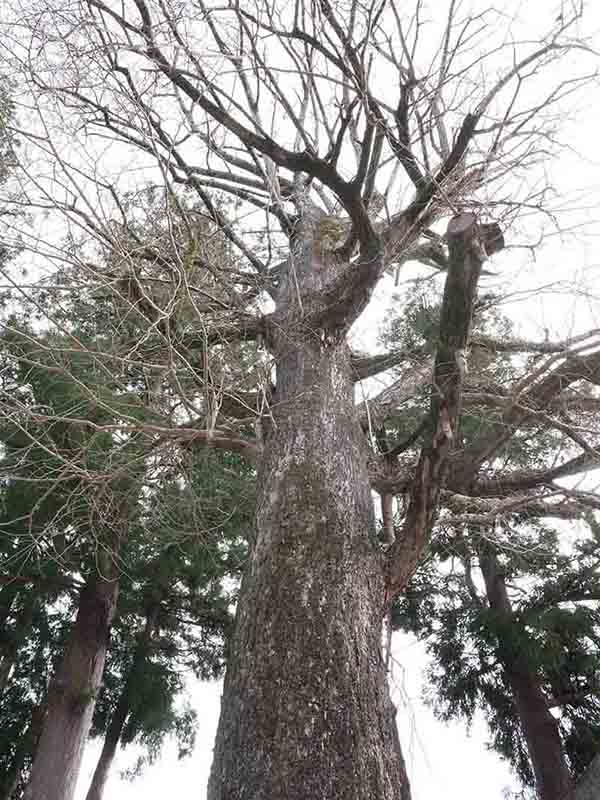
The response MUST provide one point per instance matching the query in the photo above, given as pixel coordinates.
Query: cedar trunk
(121, 712)
(306, 711)
(540, 728)
(109, 748)
(72, 695)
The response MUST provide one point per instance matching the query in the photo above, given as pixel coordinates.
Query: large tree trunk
(72, 695)
(121, 712)
(540, 728)
(306, 711)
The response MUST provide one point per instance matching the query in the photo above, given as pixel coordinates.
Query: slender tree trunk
(121, 712)
(109, 748)
(306, 711)
(540, 728)
(21, 630)
(72, 695)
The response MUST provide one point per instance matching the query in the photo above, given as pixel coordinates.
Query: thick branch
(185, 435)
(367, 366)
(528, 345)
(521, 407)
(483, 512)
(523, 479)
(244, 328)
(349, 294)
(467, 251)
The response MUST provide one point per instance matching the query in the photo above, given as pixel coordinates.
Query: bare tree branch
(467, 243)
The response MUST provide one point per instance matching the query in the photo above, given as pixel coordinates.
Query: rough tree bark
(540, 728)
(306, 710)
(121, 712)
(72, 695)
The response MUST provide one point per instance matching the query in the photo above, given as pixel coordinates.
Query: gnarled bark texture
(540, 728)
(72, 695)
(306, 711)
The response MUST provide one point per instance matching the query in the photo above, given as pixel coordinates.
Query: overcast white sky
(442, 760)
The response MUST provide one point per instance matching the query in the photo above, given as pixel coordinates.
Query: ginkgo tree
(353, 138)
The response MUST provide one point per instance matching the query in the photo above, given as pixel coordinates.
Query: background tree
(58, 407)
(477, 600)
(497, 648)
(337, 186)
(185, 605)
(59, 516)
(69, 413)
(171, 571)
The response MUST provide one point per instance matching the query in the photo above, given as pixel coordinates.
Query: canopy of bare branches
(220, 178)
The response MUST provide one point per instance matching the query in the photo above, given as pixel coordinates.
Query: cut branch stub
(492, 238)
(469, 245)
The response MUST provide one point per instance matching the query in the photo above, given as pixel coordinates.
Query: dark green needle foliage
(415, 331)
(554, 628)
(78, 491)
(178, 590)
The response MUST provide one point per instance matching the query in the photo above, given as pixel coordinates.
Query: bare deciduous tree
(352, 138)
